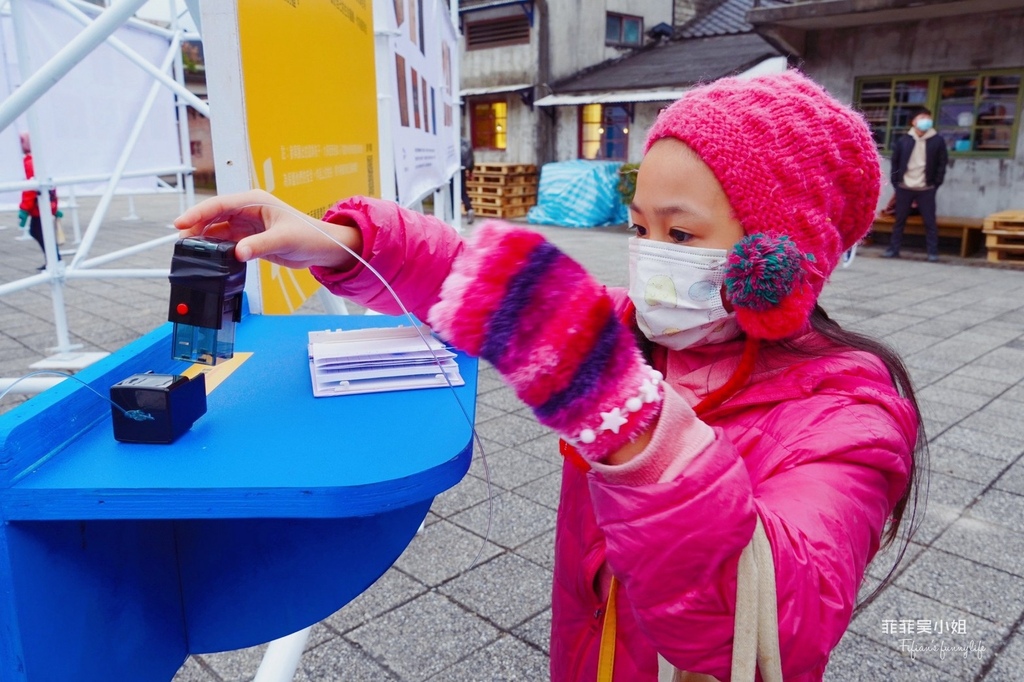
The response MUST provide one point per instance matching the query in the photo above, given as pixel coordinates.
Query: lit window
(490, 125)
(604, 132)
(622, 29)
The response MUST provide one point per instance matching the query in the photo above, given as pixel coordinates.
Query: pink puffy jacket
(819, 447)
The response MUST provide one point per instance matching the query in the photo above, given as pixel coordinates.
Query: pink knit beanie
(801, 173)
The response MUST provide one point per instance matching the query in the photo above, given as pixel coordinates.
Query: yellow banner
(311, 114)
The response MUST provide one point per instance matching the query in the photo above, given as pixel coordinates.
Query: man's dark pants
(35, 228)
(467, 203)
(925, 199)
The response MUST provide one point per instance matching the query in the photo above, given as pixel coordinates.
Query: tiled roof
(674, 63)
(729, 18)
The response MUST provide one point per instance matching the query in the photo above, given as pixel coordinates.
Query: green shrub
(627, 182)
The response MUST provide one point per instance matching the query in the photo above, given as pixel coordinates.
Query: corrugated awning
(610, 97)
(494, 89)
(765, 66)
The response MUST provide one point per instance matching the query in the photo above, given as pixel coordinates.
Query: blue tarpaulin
(579, 194)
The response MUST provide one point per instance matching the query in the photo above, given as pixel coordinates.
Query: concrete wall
(643, 118)
(506, 65)
(566, 133)
(577, 41)
(974, 186)
(578, 26)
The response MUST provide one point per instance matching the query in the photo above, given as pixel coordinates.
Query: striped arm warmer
(550, 329)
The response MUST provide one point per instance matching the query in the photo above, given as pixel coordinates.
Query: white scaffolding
(100, 27)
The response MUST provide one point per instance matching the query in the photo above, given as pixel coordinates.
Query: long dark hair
(913, 499)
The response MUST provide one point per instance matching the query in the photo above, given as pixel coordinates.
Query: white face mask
(677, 291)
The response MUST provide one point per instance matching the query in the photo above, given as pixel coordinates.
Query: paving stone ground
(959, 325)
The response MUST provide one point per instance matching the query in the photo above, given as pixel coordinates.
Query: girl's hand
(265, 227)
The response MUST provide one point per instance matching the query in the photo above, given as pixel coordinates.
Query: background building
(200, 137)
(544, 80)
(513, 51)
(963, 60)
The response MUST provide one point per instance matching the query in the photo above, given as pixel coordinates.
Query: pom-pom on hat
(801, 173)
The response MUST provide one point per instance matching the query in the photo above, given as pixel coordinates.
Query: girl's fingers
(199, 216)
(236, 209)
(280, 244)
(265, 227)
(256, 246)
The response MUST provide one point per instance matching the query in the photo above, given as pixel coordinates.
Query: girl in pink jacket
(713, 396)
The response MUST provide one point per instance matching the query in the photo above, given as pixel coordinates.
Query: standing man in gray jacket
(918, 169)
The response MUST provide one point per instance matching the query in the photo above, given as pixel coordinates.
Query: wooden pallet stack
(1004, 236)
(503, 190)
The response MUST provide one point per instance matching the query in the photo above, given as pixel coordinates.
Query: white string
(135, 415)
(311, 222)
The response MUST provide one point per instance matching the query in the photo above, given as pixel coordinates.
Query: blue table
(118, 560)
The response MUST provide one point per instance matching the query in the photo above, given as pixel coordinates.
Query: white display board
(423, 45)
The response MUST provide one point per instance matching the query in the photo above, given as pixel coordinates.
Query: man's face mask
(677, 291)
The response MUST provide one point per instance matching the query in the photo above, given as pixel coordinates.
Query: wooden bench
(967, 230)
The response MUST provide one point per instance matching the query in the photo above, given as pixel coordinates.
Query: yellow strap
(606, 659)
(216, 374)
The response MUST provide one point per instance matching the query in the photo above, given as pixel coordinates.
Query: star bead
(611, 421)
(649, 391)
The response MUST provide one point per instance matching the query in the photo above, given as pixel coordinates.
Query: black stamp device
(206, 299)
(156, 408)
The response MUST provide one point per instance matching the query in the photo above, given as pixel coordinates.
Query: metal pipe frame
(94, 7)
(59, 181)
(115, 177)
(66, 58)
(53, 267)
(34, 85)
(128, 251)
(119, 273)
(140, 61)
(182, 105)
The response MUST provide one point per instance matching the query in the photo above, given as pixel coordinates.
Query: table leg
(282, 658)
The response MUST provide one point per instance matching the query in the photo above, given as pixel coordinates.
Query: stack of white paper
(383, 359)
